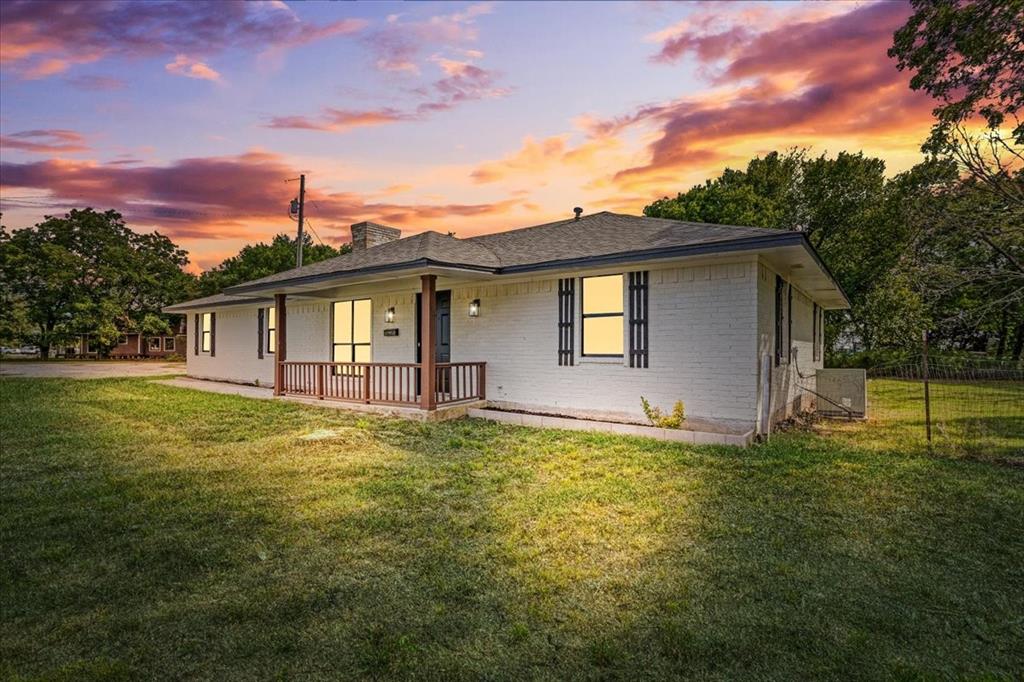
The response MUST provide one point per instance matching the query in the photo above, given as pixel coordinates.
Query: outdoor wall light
(389, 315)
(474, 307)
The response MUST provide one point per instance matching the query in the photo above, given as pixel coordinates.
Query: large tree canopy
(89, 273)
(260, 260)
(969, 56)
(912, 252)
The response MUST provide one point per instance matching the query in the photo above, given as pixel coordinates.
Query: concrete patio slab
(572, 424)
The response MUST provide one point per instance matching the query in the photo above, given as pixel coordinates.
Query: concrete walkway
(246, 391)
(89, 369)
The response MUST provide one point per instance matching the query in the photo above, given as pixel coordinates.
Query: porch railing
(382, 383)
(458, 381)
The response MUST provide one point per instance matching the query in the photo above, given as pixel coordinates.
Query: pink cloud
(462, 82)
(45, 37)
(812, 78)
(216, 197)
(45, 141)
(398, 44)
(338, 120)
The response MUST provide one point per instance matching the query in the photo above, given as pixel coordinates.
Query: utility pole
(302, 206)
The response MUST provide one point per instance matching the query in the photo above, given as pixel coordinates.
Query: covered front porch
(430, 383)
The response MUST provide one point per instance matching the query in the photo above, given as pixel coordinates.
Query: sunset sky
(469, 117)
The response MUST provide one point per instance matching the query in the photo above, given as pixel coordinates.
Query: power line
(309, 223)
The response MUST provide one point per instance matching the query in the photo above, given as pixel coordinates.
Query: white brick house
(580, 317)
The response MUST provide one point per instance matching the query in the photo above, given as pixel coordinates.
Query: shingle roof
(425, 246)
(596, 235)
(605, 233)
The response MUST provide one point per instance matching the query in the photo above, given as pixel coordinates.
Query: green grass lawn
(156, 532)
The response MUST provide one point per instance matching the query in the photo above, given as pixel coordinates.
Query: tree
(969, 56)
(967, 248)
(260, 260)
(88, 273)
(843, 204)
(763, 195)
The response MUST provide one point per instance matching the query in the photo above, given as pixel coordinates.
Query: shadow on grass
(153, 533)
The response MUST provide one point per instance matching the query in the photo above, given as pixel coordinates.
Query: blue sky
(471, 117)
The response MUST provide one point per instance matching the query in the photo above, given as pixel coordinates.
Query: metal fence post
(927, 395)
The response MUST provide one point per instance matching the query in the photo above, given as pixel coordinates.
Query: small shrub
(661, 420)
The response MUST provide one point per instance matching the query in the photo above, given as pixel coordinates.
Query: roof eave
(189, 305)
(345, 274)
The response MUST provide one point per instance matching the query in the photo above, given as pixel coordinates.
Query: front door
(442, 326)
(442, 336)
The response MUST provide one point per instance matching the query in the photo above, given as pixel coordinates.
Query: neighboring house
(579, 317)
(137, 345)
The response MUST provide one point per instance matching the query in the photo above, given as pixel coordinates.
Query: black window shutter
(259, 333)
(789, 322)
(638, 316)
(213, 334)
(196, 333)
(778, 319)
(814, 333)
(566, 316)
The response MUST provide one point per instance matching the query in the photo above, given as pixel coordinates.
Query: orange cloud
(536, 157)
(191, 68)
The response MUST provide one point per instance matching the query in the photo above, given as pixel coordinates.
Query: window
(207, 333)
(271, 329)
(168, 343)
(122, 340)
(351, 339)
(602, 316)
(153, 343)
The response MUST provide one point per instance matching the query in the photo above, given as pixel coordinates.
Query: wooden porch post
(428, 305)
(281, 342)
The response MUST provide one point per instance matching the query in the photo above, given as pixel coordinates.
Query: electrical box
(842, 392)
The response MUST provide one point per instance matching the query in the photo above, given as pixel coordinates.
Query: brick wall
(709, 324)
(702, 346)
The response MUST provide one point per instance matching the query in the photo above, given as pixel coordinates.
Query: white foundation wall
(702, 335)
(797, 368)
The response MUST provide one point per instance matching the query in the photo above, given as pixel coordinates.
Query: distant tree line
(87, 273)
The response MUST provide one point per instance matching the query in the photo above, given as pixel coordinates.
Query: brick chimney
(366, 235)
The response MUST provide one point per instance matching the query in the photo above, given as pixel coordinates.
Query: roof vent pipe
(578, 211)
